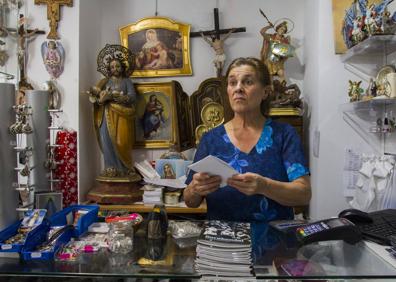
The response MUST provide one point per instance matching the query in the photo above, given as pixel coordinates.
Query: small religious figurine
(354, 91)
(276, 48)
(358, 33)
(286, 96)
(372, 26)
(371, 90)
(113, 100)
(53, 55)
(218, 47)
(389, 23)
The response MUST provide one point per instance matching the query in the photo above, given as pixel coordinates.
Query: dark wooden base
(115, 193)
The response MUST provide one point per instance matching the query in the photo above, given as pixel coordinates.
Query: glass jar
(121, 237)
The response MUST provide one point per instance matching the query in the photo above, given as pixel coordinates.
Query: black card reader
(329, 229)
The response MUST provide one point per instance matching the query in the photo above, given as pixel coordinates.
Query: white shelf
(381, 45)
(373, 104)
(362, 115)
(367, 57)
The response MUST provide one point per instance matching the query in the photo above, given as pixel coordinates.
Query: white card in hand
(214, 166)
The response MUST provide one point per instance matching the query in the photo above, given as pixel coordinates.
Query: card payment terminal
(329, 229)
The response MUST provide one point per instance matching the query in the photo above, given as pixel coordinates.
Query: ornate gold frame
(160, 23)
(167, 89)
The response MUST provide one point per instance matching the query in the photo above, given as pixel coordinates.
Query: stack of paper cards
(214, 166)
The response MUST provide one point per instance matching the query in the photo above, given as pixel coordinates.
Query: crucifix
(22, 35)
(212, 37)
(53, 14)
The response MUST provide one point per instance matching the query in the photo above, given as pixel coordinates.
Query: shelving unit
(367, 57)
(363, 115)
(33, 146)
(364, 60)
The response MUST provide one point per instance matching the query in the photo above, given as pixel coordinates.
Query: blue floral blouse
(278, 155)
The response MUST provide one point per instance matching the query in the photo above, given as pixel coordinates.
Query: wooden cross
(53, 14)
(212, 37)
(217, 31)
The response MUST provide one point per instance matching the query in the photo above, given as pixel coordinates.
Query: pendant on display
(54, 97)
(53, 55)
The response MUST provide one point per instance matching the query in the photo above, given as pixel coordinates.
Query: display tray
(34, 237)
(66, 216)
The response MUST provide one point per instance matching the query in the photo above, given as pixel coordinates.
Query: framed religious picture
(161, 46)
(51, 201)
(156, 120)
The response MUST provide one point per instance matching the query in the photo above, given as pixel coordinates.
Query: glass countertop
(272, 253)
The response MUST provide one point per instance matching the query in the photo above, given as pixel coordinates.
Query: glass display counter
(175, 259)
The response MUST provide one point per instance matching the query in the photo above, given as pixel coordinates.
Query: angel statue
(113, 100)
(53, 55)
(354, 91)
(362, 20)
(276, 47)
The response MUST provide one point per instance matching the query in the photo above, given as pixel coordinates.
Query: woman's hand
(248, 183)
(202, 184)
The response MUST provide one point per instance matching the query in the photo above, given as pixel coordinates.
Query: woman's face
(245, 92)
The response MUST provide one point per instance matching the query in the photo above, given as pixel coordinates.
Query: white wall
(90, 38)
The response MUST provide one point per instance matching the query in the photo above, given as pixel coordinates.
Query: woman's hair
(262, 74)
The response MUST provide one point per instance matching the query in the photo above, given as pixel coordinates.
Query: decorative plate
(381, 75)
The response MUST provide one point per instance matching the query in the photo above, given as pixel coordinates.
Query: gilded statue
(113, 100)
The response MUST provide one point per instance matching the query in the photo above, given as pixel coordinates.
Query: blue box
(35, 236)
(60, 218)
(28, 252)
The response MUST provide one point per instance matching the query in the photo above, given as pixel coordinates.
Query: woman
(149, 51)
(273, 174)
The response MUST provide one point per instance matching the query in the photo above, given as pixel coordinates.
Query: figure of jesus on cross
(212, 37)
(218, 47)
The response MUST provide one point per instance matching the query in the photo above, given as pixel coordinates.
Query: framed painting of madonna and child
(161, 46)
(156, 115)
